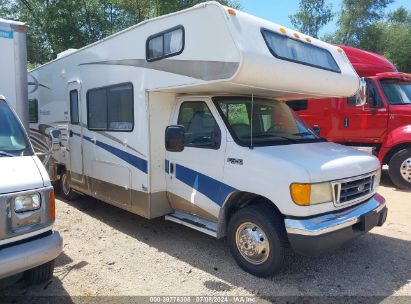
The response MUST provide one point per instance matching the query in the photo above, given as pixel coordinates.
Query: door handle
(70, 133)
(346, 122)
(171, 168)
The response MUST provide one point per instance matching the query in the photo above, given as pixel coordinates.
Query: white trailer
(13, 67)
(183, 116)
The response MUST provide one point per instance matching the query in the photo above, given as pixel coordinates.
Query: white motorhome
(13, 67)
(183, 116)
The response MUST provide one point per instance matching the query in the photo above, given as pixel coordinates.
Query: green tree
(312, 16)
(355, 19)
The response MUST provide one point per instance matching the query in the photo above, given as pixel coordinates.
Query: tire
(399, 169)
(40, 274)
(66, 191)
(268, 259)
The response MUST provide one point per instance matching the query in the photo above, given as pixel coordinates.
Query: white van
(27, 210)
(183, 116)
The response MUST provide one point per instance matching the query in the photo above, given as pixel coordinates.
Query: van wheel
(257, 240)
(40, 274)
(66, 190)
(399, 169)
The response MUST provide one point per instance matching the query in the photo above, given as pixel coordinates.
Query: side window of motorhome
(33, 111)
(165, 44)
(111, 108)
(202, 130)
(74, 114)
(286, 48)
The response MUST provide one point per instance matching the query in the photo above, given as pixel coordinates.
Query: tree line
(57, 25)
(363, 24)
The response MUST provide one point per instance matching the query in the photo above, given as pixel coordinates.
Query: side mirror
(55, 136)
(361, 99)
(174, 138)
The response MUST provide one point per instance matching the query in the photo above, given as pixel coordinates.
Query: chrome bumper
(334, 221)
(24, 256)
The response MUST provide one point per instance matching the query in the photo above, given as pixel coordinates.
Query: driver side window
(373, 96)
(201, 129)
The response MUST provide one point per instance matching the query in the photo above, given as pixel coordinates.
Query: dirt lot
(108, 251)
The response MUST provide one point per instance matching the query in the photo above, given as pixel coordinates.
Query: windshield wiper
(4, 153)
(303, 134)
(275, 135)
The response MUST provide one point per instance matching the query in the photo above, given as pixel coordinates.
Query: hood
(323, 161)
(18, 174)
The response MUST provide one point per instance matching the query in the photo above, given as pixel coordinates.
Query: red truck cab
(382, 125)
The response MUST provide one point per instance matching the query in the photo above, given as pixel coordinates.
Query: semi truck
(382, 125)
(178, 117)
(13, 63)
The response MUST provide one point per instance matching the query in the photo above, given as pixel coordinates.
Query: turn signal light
(52, 206)
(232, 12)
(301, 194)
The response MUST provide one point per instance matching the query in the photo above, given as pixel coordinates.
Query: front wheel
(257, 240)
(65, 187)
(399, 169)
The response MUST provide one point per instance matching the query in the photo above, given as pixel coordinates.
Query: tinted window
(373, 96)
(201, 129)
(74, 114)
(298, 105)
(111, 108)
(284, 47)
(33, 111)
(165, 44)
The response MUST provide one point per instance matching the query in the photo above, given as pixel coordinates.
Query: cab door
(194, 176)
(369, 122)
(75, 130)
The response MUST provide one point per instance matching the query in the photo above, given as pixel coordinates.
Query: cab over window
(111, 108)
(201, 129)
(165, 44)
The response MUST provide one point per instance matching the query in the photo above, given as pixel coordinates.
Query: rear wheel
(40, 273)
(399, 169)
(257, 240)
(65, 187)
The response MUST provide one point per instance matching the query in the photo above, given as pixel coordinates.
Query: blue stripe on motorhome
(133, 160)
(208, 186)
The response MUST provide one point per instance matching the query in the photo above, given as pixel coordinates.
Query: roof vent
(65, 53)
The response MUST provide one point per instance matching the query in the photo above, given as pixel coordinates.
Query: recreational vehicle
(184, 116)
(27, 211)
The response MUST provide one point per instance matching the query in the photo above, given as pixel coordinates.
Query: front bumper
(325, 233)
(23, 256)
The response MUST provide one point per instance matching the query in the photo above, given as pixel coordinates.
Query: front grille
(353, 190)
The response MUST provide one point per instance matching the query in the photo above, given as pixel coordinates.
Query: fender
(400, 136)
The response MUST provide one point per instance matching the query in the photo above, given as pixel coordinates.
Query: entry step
(194, 222)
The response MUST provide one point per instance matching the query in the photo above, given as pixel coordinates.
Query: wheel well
(394, 150)
(60, 169)
(238, 201)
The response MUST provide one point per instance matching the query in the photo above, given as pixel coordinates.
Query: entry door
(369, 122)
(75, 127)
(195, 175)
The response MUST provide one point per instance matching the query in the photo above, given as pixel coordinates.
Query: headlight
(377, 180)
(311, 194)
(24, 203)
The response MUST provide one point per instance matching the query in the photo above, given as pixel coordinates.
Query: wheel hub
(252, 243)
(405, 170)
(65, 184)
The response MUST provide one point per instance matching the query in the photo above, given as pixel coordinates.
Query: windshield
(273, 122)
(397, 92)
(13, 140)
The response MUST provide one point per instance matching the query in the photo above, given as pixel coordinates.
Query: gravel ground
(110, 252)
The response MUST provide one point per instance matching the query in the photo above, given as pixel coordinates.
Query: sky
(278, 10)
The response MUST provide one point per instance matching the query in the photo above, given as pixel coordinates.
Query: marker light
(232, 12)
(301, 193)
(52, 208)
(282, 30)
(296, 35)
(307, 39)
